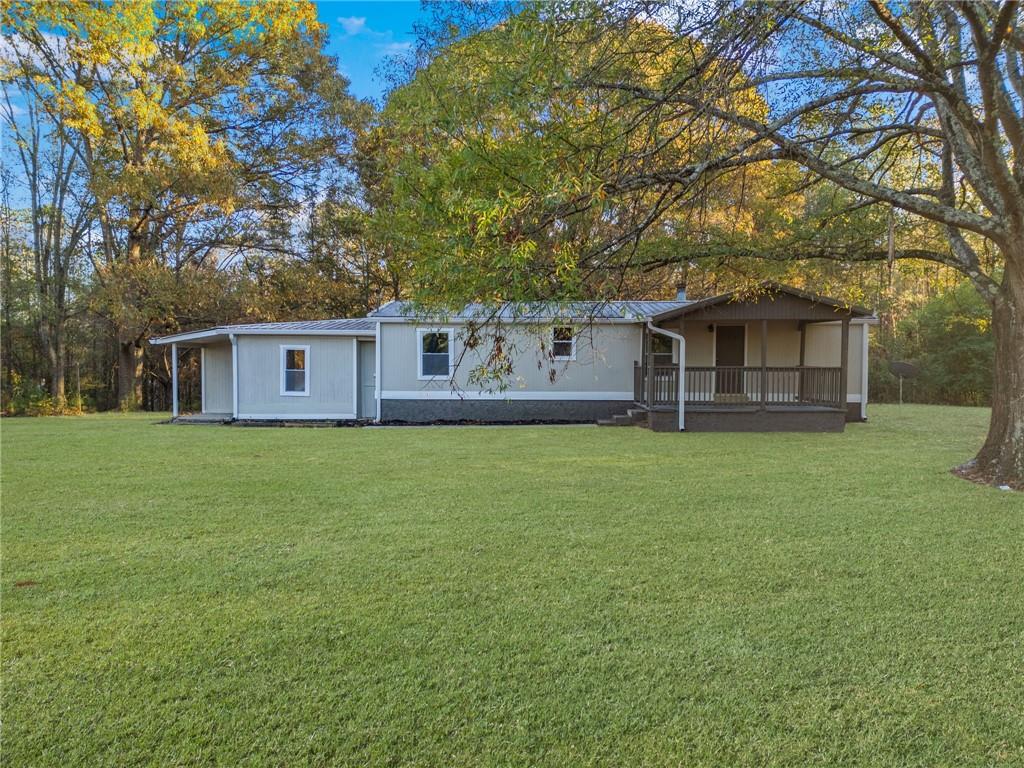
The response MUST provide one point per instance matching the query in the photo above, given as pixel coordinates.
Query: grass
(524, 596)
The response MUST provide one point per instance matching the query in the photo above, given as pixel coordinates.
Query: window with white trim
(294, 370)
(435, 353)
(563, 343)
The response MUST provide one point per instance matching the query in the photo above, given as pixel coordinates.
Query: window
(294, 370)
(435, 353)
(661, 345)
(563, 343)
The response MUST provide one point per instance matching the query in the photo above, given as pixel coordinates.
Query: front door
(367, 380)
(730, 354)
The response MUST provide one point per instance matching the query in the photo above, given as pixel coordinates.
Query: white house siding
(330, 368)
(599, 382)
(217, 378)
(823, 343)
(700, 343)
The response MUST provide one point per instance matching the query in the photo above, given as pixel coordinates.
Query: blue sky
(364, 34)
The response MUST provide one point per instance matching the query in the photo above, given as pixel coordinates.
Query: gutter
(682, 368)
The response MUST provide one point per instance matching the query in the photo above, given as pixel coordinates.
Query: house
(778, 359)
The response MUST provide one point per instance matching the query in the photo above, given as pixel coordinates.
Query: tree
(60, 213)
(916, 109)
(949, 338)
(198, 124)
(501, 169)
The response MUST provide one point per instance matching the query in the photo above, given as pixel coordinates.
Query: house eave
(226, 331)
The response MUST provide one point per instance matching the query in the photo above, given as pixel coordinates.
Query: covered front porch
(781, 361)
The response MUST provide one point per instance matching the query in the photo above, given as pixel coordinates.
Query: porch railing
(658, 391)
(739, 386)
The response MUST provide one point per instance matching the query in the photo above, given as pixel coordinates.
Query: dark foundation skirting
(425, 411)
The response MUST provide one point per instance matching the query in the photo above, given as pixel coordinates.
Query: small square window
(435, 354)
(563, 343)
(295, 370)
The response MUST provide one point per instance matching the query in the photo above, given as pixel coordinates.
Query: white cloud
(352, 25)
(394, 48)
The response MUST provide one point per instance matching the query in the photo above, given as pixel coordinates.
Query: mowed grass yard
(520, 596)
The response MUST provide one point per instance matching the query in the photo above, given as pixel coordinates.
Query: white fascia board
(226, 330)
(191, 336)
(446, 394)
(425, 321)
(279, 332)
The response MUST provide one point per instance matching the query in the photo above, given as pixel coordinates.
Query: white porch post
(202, 378)
(174, 381)
(681, 345)
(234, 375)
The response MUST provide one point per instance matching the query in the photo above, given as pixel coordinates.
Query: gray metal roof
(338, 326)
(358, 324)
(579, 310)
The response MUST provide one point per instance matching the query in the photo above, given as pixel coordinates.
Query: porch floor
(202, 418)
(742, 418)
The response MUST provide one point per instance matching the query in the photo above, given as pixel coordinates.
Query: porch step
(631, 418)
(618, 420)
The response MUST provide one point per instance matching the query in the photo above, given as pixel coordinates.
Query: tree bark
(56, 353)
(129, 350)
(1001, 458)
(129, 374)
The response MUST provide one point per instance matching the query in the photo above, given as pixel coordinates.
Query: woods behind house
(168, 167)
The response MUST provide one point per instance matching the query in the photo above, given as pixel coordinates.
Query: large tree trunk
(129, 352)
(129, 374)
(56, 352)
(1001, 458)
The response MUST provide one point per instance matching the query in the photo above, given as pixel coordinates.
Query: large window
(294, 370)
(435, 353)
(563, 343)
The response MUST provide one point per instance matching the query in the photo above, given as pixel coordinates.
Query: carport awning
(356, 327)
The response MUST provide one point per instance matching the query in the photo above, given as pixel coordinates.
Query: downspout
(864, 372)
(376, 373)
(682, 367)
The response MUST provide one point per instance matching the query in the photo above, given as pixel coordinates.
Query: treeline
(949, 341)
(185, 168)
(178, 166)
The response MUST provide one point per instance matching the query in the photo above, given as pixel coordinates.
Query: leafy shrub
(32, 399)
(950, 339)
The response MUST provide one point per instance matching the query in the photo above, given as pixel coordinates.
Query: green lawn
(525, 596)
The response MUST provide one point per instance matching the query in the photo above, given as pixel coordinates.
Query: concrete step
(631, 418)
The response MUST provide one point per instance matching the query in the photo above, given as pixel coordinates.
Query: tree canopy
(828, 110)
